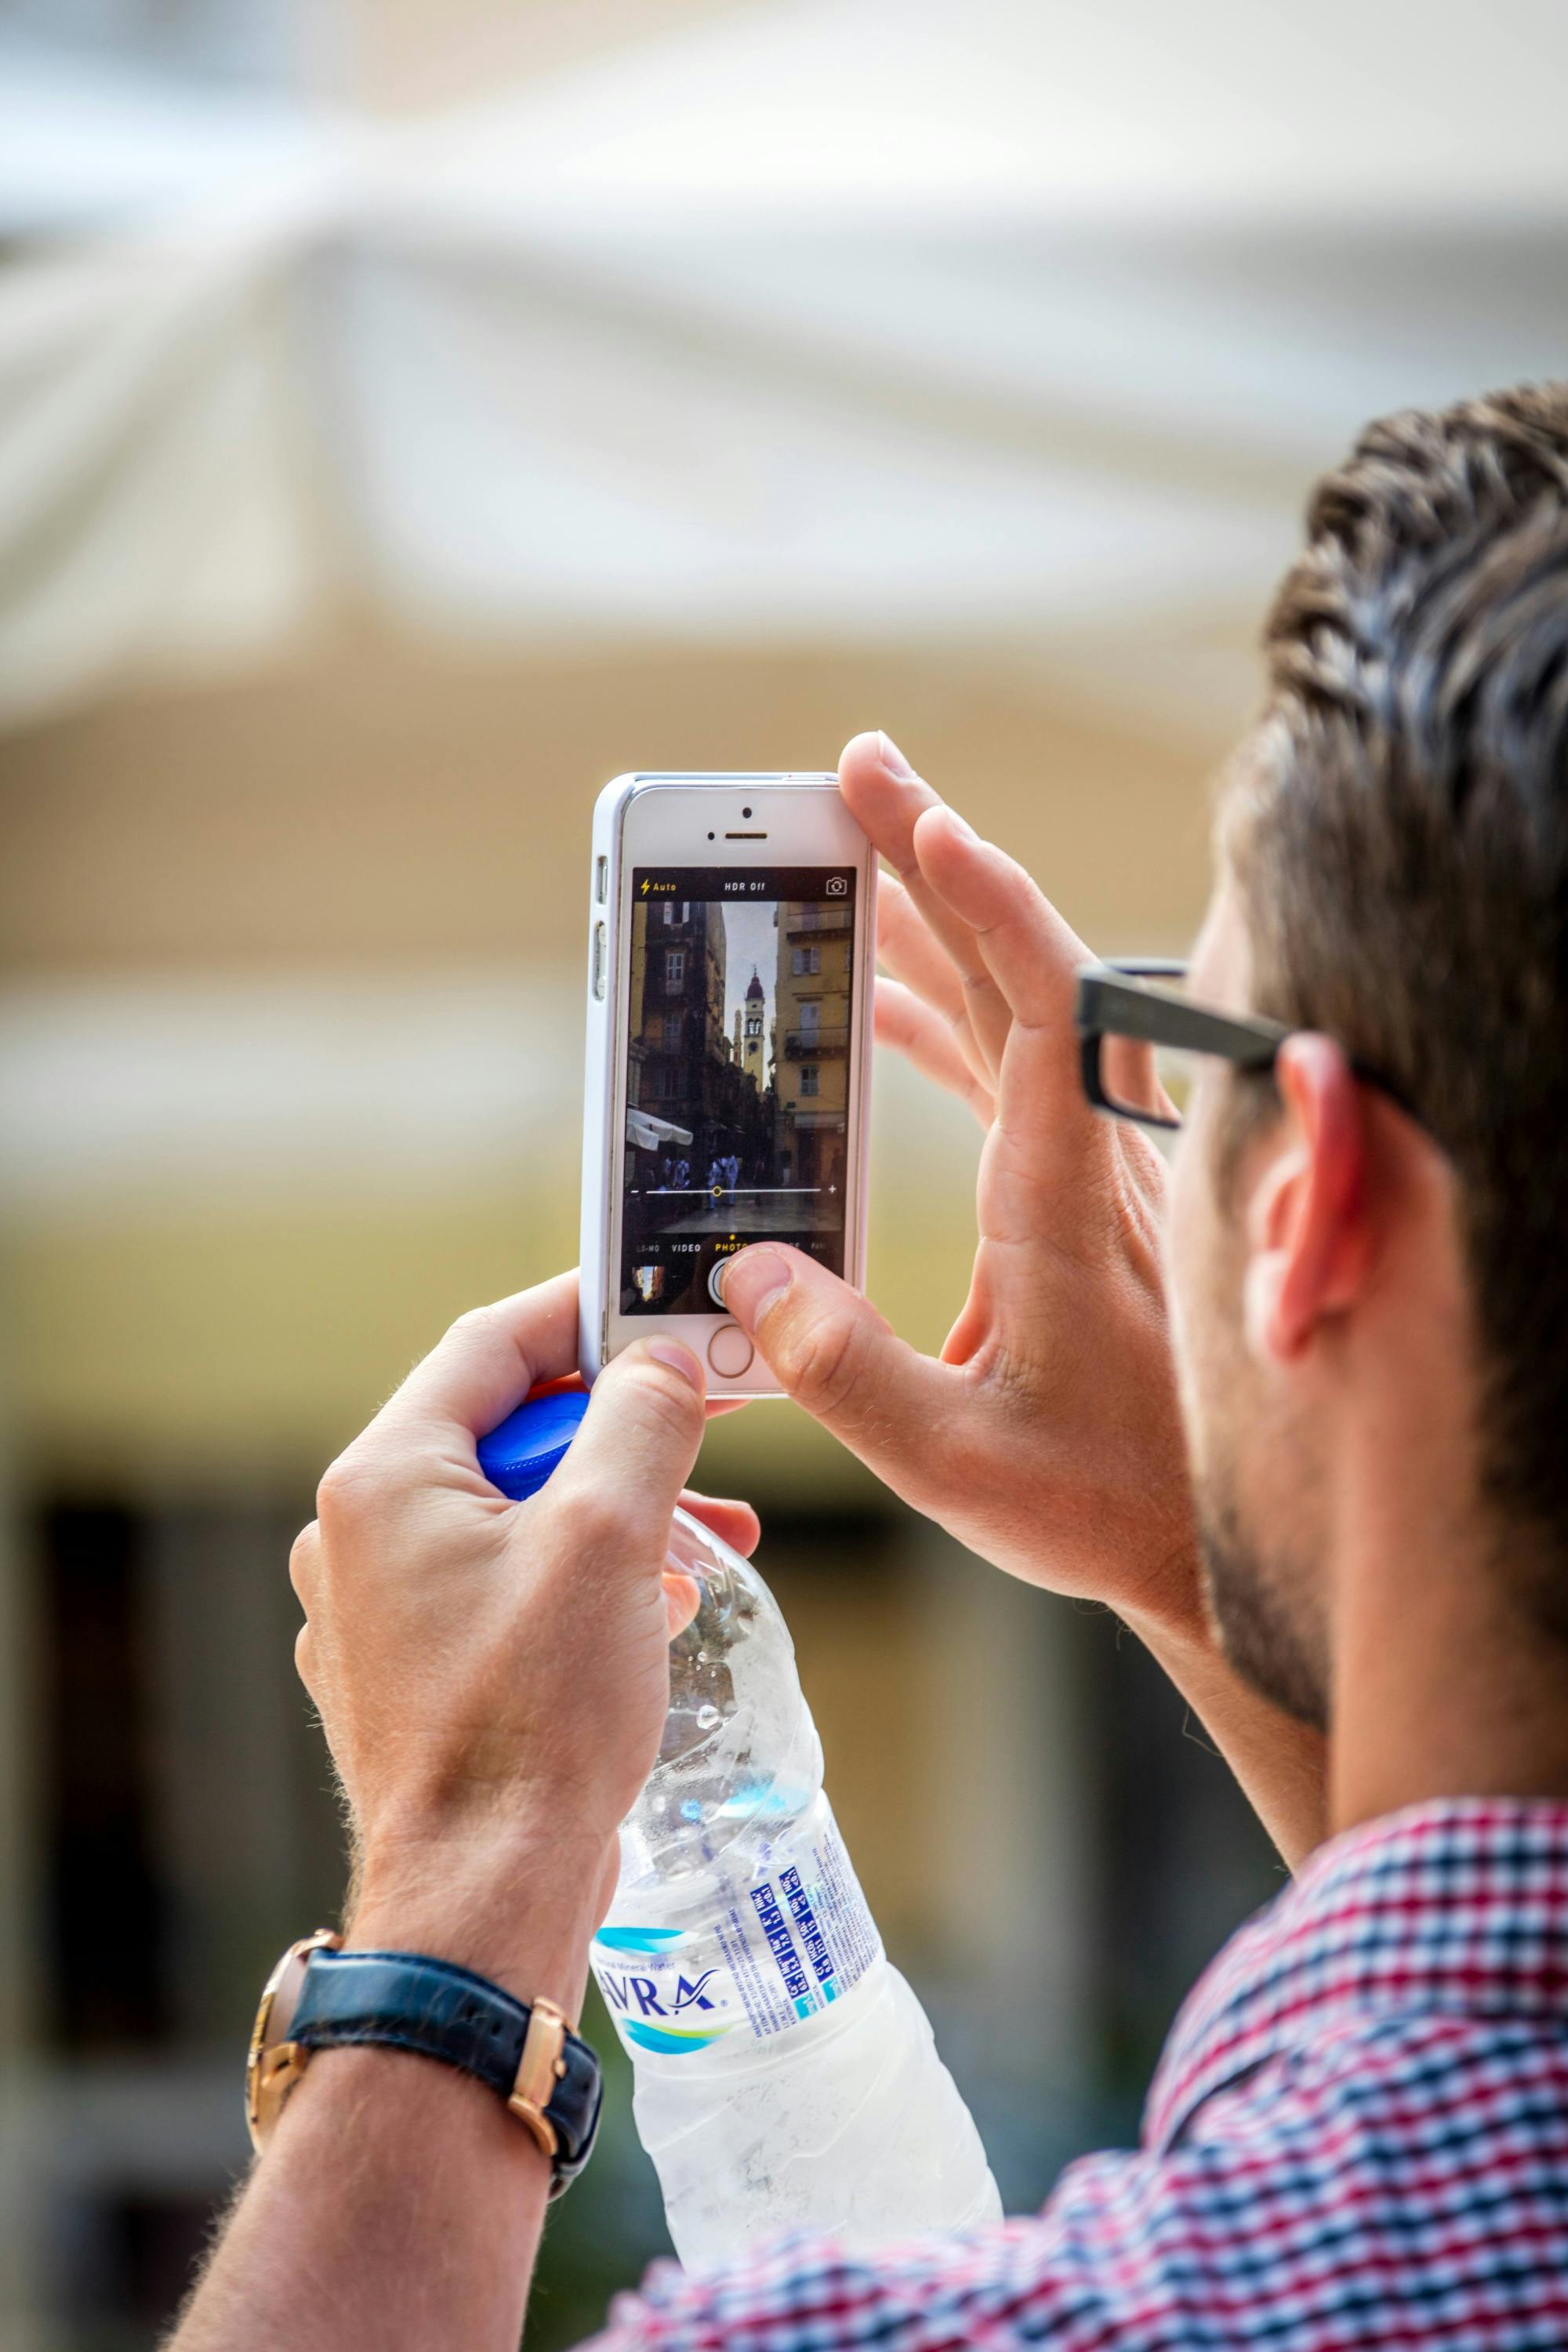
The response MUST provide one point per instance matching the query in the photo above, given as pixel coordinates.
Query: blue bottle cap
(519, 1454)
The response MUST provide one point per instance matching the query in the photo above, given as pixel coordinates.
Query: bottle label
(774, 1950)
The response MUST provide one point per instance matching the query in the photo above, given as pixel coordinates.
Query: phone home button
(730, 1351)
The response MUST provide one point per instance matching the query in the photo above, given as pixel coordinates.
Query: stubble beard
(1256, 1628)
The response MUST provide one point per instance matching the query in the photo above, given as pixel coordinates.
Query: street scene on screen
(736, 1075)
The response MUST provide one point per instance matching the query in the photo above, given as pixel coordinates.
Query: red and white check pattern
(1357, 2136)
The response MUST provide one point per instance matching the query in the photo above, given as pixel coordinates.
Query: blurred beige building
(410, 417)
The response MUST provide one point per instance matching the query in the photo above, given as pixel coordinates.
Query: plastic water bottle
(785, 2074)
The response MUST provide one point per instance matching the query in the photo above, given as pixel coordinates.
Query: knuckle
(334, 1490)
(475, 1323)
(600, 1519)
(304, 1560)
(668, 1403)
(824, 1363)
(341, 1499)
(348, 1487)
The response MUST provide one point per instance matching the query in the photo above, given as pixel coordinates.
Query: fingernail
(893, 759)
(679, 1359)
(751, 1283)
(961, 824)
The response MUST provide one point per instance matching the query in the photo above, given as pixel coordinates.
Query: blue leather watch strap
(440, 2011)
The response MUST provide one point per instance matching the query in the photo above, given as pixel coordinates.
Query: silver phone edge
(602, 1042)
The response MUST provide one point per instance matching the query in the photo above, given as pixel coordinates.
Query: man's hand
(1046, 1437)
(494, 1676)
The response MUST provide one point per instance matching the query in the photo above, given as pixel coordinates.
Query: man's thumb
(633, 1453)
(833, 1353)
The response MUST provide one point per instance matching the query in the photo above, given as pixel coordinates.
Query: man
(1329, 1489)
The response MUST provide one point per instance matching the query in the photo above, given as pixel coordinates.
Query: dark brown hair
(1399, 829)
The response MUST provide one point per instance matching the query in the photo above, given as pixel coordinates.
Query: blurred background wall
(411, 415)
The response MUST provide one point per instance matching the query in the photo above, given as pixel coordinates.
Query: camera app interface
(737, 1074)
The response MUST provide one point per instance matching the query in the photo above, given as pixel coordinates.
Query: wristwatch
(320, 1997)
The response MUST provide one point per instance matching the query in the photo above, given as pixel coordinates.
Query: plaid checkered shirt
(1357, 2136)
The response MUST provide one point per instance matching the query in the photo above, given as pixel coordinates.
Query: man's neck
(1440, 1685)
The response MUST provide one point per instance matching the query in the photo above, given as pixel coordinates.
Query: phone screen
(738, 1036)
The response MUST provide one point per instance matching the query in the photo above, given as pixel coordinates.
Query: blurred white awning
(646, 1133)
(376, 1086)
(851, 320)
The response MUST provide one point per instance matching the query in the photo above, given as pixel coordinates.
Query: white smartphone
(732, 943)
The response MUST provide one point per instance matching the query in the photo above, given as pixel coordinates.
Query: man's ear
(1307, 1245)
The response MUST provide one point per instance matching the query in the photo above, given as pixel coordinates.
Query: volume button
(599, 961)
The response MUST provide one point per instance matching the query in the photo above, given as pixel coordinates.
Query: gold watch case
(274, 2063)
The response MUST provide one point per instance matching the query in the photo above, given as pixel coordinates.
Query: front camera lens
(745, 811)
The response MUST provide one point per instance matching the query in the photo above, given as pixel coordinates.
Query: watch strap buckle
(539, 2069)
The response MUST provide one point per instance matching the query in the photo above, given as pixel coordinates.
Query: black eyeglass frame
(1115, 1000)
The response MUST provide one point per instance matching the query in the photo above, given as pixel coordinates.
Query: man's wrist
(520, 1912)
